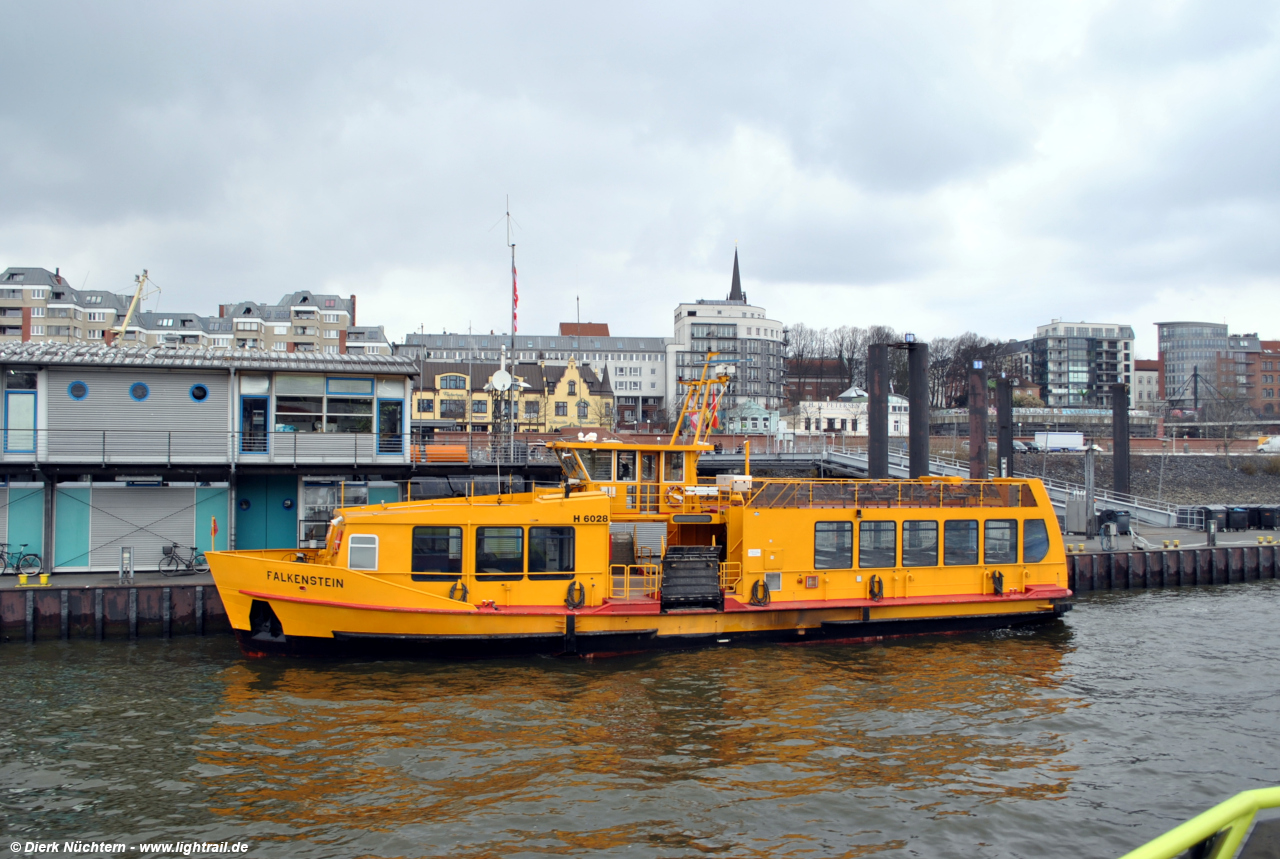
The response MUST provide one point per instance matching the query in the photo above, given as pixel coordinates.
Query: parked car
(1031, 446)
(1020, 447)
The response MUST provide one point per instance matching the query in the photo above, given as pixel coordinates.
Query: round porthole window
(139, 391)
(244, 503)
(199, 393)
(77, 390)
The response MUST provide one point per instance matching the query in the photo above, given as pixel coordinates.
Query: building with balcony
(1075, 364)
(39, 306)
(742, 334)
(111, 446)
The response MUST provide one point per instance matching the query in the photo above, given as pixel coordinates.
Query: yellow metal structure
(633, 551)
(1217, 833)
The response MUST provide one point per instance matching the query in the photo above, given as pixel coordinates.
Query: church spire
(735, 290)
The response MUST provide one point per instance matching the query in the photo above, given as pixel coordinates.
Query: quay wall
(110, 611)
(1166, 568)
(161, 611)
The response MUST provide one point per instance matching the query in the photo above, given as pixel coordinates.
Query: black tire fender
(760, 593)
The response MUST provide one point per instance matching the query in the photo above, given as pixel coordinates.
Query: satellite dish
(501, 381)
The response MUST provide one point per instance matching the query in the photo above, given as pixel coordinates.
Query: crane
(138, 295)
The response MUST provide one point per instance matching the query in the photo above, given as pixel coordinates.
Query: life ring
(675, 496)
(997, 583)
(876, 588)
(759, 592)
(453, 589)
(575, 599)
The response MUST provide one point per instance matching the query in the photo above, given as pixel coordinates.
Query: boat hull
(612, 642)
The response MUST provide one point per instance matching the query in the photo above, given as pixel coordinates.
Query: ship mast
(505, 418)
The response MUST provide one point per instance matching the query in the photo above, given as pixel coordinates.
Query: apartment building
(742, 334)
(1268, 398)
(1075, 364)
(38, 305)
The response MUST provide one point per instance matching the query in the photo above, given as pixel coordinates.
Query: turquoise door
(266, 512)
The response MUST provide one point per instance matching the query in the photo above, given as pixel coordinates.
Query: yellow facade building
(452, 395)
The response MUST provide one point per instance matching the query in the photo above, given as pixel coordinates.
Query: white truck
(1269, 444)
(1060, 440)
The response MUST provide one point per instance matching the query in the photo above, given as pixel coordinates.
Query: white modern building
(1076, 363)
(742, 334)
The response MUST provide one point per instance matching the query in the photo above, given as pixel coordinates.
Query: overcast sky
(931, 166)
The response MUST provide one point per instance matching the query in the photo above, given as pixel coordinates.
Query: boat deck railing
(891, 493)
(730, 576)
(635, 581)
(711, 496)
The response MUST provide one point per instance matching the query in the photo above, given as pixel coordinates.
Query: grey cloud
(240, 147)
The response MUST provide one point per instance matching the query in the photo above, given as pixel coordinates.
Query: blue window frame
(390, 425)
(77, 390)
(199, 393)
(254, 426)
(139, 391)
(20, 421)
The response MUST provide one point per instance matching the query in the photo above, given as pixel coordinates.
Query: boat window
(877, 544)
(649, 466)
(551, 550)
(437, 549)
(499, 550)
(598, 463)
(626, 465)
(362, 552)
(673, 467)
(919, 544)
(1000, 544)
(960, 542)
(1035, 541)
(832, 545)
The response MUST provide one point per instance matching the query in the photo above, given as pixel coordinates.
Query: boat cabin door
(253, 424)
(648, 482)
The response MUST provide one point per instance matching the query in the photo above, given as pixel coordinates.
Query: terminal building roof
(100, 355)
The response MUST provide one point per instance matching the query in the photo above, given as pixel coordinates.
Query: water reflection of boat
(642, 749)
(632, 551)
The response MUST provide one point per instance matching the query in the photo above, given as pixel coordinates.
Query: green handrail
(1235, 815)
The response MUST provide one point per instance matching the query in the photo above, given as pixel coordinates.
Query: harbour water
(1086, 738)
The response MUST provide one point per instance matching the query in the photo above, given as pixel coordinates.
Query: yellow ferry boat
(633, 551)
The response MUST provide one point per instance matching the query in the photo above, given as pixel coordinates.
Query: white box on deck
(734, 482)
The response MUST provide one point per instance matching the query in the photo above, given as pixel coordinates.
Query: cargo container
(1060, 440)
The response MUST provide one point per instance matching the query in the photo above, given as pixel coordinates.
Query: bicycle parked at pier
(174, 563)
(19, 561)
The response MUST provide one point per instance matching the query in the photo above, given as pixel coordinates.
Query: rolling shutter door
(146, 518)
